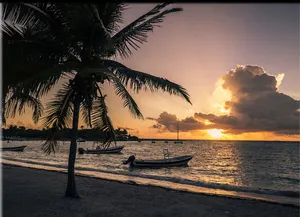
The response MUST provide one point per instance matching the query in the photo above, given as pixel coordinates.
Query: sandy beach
(32, 192)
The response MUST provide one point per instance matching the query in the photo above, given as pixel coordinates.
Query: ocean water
(263, 169)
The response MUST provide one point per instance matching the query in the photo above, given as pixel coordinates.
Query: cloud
(157, 126)
(168, 122)
(149, 118)
(255, 105)
(221, 121)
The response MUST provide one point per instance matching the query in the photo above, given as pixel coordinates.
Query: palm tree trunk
(71, 190)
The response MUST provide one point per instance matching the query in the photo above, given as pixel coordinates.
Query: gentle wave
(293, 194)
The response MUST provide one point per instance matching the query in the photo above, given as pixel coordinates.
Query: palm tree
(81, 42)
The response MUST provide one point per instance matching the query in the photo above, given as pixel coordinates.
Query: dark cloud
(190, 123)
(222, 121)
(255, 106)
(149, 118)
(249, 80)
(157, 126)
(168, 122)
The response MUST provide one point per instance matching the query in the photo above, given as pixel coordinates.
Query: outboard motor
(80, 150)
(129, 160)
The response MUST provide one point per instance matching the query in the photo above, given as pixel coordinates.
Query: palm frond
(141, 19)
(14, 18)
(101, 120)
(86, 114)
(17, 102)
(124, 94)
(101, 73)
(98, 18)
(112, 15)
(59, 110)
(17, 16)
(58, 116)
(51, 143)
(44, 81)
(137, 80)
(88, 94)
(128, 100)
(136, 32)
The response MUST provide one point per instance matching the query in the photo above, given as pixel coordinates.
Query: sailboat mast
(177, 130)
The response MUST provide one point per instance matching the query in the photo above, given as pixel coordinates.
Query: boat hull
(18, 149)
(112, 150)
(171, 162)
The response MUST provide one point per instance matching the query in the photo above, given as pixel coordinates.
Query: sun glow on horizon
(215, 133)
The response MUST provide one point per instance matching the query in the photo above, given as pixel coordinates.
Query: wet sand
(33, 192)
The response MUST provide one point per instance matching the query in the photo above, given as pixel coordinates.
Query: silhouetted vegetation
(65, 134)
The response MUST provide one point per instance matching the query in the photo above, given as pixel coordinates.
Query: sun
(215, 133)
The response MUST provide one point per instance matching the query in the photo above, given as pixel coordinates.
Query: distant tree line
(88, 134)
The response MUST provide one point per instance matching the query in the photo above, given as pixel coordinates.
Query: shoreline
(36, 192)
(164, 184)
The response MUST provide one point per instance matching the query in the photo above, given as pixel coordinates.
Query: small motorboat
(167, 162)
(110, 150)
(178, 142)
(18, 148)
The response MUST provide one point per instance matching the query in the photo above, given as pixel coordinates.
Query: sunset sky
(239, 63)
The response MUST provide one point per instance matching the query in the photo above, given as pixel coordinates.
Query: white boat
(109, 150)
(160, 163)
